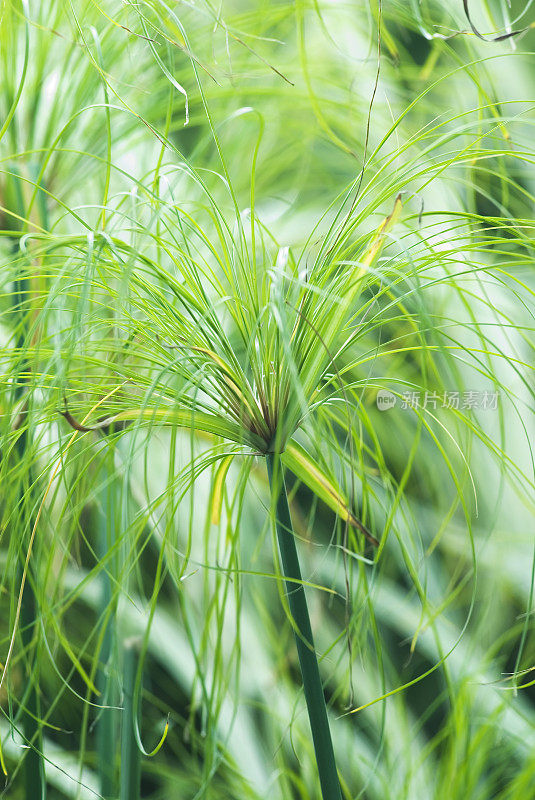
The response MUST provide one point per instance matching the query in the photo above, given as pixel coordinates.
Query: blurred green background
(112, 114)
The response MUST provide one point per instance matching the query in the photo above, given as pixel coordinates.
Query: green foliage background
(182, 183)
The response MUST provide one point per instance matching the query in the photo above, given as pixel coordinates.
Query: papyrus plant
(245, 351)
(256, 392)
(264, 353)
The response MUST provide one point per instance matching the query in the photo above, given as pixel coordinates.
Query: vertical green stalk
(315, 699)
(130, 754)
(34, 770)
(106, 728)
(34, 773)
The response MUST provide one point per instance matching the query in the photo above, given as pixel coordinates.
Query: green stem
(130, 755)
(34, 770)
(106, 733)
(315, 699)
(34, 773)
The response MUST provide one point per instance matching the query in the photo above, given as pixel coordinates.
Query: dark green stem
(315, 699)
(34, 771)
(106, 727)
(130, 754)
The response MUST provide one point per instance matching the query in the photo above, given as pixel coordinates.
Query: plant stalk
(34, 769)
(315, 699)
(106, 728)
(34, 773)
